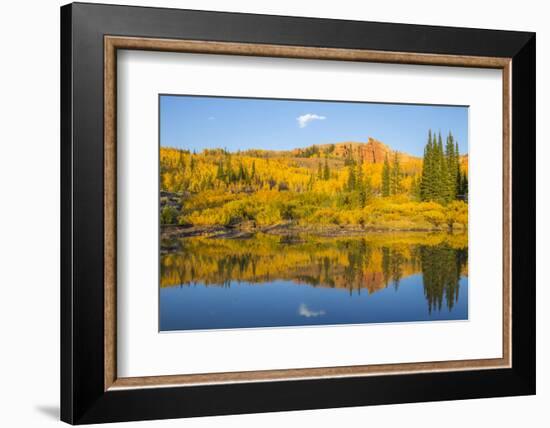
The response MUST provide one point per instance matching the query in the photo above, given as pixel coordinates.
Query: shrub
(168, 215)
(436, 218)
(457, 213)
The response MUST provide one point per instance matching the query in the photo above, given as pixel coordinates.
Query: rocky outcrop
(372, 151)
(170, 199)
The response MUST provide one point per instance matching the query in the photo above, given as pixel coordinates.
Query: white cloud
(304, 119)
(304, 311)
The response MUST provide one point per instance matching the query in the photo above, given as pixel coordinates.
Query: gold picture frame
(114, 43)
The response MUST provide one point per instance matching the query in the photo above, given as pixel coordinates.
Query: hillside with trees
(351, 186)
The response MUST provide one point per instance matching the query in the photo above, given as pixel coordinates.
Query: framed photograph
(265, 213)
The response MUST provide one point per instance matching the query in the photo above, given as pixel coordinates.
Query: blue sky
(196, 123)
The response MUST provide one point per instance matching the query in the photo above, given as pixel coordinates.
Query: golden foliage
(218, 188)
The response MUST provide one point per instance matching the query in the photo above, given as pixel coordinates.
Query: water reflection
(304, 311)
(360, 266)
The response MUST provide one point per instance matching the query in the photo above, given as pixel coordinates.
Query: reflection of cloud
(304, 311)
(304, 119)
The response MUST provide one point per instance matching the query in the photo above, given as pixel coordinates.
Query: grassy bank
(266, 209)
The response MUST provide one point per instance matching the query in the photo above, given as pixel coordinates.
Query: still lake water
(276, 281)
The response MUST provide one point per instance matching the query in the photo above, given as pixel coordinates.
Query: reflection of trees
(392, 265)
(353, 264)
(441, 269)
(356, 264)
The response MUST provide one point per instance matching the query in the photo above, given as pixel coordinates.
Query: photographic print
(279, 213)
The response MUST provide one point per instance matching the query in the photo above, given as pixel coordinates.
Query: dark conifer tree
(220, 172)
(426, 190)
(326, 171)
(360, 185)
(458, 177)
(310, 182)
(352, 178)
(181, 163)
(464, 186)
(395, 187)
(386, 177)
(440, 176)
(368, 189)
(451, 168)
(415, 187)
(240, 172)
(229, 173)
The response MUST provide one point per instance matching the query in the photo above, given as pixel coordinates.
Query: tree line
(391, 176)
(442, 181)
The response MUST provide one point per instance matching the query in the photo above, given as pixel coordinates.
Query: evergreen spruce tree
(219, 172)
(395, 187)
(458, 178)
(242, 172)
(426, 188)
(415, 188)
(310, 182)
(352, 178)
(320, 171)
(326, 171)
(241, 175)
(445, 177)
(229, 173)
(451, 168)
(369, 193)
(181, 163)
(386, 176)
(360, 185)
(440, 172)
(464, 186)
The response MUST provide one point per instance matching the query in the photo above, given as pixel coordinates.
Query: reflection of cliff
(358, 264)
